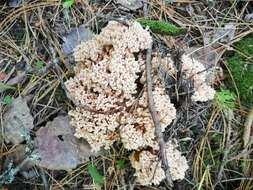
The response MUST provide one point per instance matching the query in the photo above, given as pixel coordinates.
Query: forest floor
(36, 41)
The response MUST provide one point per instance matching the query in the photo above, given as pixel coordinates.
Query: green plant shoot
(6, 86)
(225, 99)
(67, 3)
(39, 64)
(7, 100)
(96, 176)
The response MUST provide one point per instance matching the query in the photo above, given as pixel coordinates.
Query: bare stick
(247, 129)
(44, 178)
(158, 131)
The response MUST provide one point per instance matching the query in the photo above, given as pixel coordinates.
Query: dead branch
(247, 129)
(158, 131)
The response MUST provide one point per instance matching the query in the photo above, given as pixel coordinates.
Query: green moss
(242, 70)
(224, 99)
(161, 27)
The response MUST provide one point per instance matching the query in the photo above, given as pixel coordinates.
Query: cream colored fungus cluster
(148, 166)
(196, 71)
(112, 108)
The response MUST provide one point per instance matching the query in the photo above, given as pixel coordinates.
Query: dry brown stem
(158, 130)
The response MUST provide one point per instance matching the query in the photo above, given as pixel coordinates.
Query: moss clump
(224, 99)
(242, 70)
(161, 27)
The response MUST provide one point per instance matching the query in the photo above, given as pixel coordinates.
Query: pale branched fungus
(196, 71)
(148, 166)
(137, 130)
(98, 129)
(111, 106)
(105, 86)
(177, 162)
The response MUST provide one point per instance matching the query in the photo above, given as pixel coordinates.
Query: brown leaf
(17, 121)
(74, 38)
(58, 148)
(131, 4)
(17, 156)
(223, 34)
(209, 57)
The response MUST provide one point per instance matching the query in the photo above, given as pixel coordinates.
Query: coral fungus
(105, 85)
(196, 71)
(112, 106)
(148, 166)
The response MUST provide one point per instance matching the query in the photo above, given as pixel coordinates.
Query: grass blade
(6, 86)
(96, 176)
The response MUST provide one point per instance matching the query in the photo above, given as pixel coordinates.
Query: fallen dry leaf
(58, 148)
(209, 57)
(75, 37)
(222, 34)
(131, 4)
(18, 121)
(17, 156)
(206, 55)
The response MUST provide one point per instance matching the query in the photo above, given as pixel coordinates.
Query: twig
(247, 129)
(22, 76)
(247, 140)
(44, 178)
(237, 179)
(158, 131)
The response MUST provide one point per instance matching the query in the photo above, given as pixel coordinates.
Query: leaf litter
(131, 4)
(55, 146)
(222, 34)
(18, 121)
(58, 148)
(75, 37)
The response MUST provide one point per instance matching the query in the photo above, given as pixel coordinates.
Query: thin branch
(44, 178)
(158, 131)
(247, 129)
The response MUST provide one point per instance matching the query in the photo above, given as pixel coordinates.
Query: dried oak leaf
(131, 4)
(58, 148)
(223, 34)
(18, 121)
(75, 37)
(209, 57)
(17, 156)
